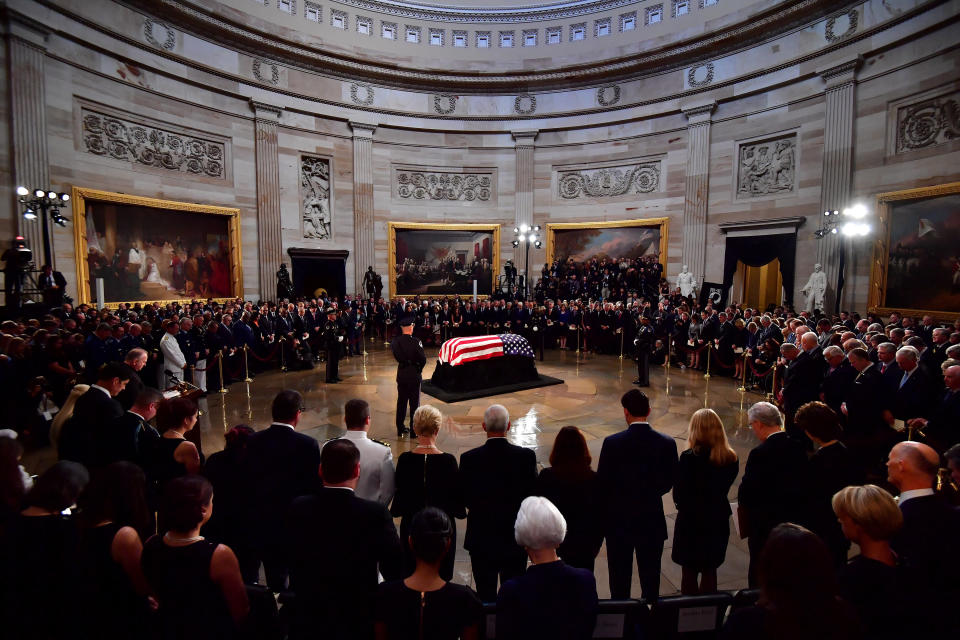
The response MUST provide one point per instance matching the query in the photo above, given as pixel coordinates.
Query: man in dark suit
(78, 440)
(281, 465)
(336, 543)
(868, 434)
(134, 362)
(837, 379)
(927, 542)
(913, 396)
(495, 478)
(942, 426)
(636, 469)
(887, 363)
(801, 381)
(775, 482)
(53, 285)
(121, 439)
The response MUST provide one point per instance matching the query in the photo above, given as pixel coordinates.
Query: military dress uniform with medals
(332, 337)
(643, 342)
(410, 362)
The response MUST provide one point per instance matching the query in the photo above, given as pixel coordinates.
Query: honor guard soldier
(643, 342)
(410, 362)
(332, 337)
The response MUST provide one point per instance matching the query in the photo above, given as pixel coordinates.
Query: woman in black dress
(197, 583)
(426, 477)
(173, 455)
(425, 605)
(704, 475)
(115, 521)
(571, 485)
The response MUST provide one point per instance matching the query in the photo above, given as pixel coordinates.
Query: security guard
(643, 343)
(410, 362)
(332, 337)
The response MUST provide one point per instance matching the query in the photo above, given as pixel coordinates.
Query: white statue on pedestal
(815, 289)
(686, 282)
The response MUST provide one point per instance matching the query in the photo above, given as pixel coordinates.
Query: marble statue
(815, 289)
(686, 282)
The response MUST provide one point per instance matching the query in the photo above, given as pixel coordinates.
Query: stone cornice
(841, 74)
(524, 137)
(265, 111)
(791, 224)
(531, 13)
(699, 113)
(362, 129)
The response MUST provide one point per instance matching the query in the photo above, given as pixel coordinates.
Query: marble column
(697, 188)
(26, 52)
(269, 234)
(837, 174)
(524, 146)
(363, 227)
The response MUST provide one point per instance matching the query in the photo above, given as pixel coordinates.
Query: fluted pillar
(524, 146)
(697, 188)
(25, 55)
(269, 235)
(836, 179)
(363, 231)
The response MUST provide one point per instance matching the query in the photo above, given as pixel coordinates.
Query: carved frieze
(602, 182)
(449, 186)
(315, 197)
(266, 72)
(159, 34)
(151, 144)
(928, 123)
(767, 167)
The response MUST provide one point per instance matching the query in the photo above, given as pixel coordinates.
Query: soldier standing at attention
(332, 337)
(643, 342)
(410, 362)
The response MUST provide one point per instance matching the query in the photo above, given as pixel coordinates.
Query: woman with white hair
(552, 599)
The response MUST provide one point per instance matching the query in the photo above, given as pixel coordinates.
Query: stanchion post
(669, 349)
(223, 389)
(743, 380)
(283, 363)
(578, 340)
(706, 376)
(621, 343)
(773, 384)
(246, 364)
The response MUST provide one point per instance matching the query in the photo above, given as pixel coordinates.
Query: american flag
(462, 350)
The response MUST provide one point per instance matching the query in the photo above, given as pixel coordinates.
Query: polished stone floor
(588, 399)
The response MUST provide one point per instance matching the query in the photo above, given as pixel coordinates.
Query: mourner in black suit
(868, 433)
(134, 362)
(887, 365)
(913, 396)
(636, 467)
(837, 379)
(121, 438)
(53, 285)
(408, 351)
(78, 440)
(801, 381)
(942, 429)
(335, 545)
(495, 478)
(775, 481)
(281, 465)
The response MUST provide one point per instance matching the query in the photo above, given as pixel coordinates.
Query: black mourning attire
(432, 615)
(644, 343)
(332, 337)
(578, 499)
(703, 510)
(410, 362)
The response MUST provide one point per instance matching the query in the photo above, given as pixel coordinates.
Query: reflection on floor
(589, 399)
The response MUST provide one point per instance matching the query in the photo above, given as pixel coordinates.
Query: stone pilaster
(524, 146)
(269, 234)
(26, 52)
(697, 188)
(837, 176)
(363, 228)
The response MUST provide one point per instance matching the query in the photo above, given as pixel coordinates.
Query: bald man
(927, 543)
(801, 381)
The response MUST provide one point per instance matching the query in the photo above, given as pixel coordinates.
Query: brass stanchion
(706, 376)
(246, 364)
(223, 389)
(621, 343)
(578, 340)
(743, 380)
(283, 364)
(669, 349)
(773, 384)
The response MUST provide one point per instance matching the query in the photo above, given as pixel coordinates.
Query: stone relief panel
(156, 145)
(315, 197)
(610, 181)
(928, 123)
(439, 185)
(159, 34)
(767, 167)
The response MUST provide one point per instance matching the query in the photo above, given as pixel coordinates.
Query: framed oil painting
(150, 250)
(616, 239)
(916, 257)
(443, 259)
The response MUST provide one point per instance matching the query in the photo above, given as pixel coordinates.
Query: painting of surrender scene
(443, 259)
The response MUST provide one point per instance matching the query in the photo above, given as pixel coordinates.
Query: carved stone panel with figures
(468, 186)
(767, 167)
(315, 197)
(609, 181)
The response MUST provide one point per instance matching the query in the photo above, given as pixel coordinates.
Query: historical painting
(437, 260)
(917, 253)
(614, 241)
(148, 250)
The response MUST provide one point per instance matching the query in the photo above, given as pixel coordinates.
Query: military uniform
(643, 342)
(410, 362)
(332, 337)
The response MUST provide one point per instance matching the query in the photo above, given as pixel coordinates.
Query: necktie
(904, 379)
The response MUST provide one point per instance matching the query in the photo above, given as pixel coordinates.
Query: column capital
(842, 73)
(28, 30)
(699, 112)
(362, 129)
(524, 137)
(266, 111)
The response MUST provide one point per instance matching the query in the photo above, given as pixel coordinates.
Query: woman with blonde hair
(66, 412)
(704, 475)
(426, 477)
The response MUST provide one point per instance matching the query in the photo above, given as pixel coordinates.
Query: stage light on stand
(65, 197)
(39, 205)
(23, 191)
(39, 193)
(30, 214)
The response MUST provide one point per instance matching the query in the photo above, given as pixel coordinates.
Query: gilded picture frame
(931, 252)
(662, 224)
(398, 228)
(82, 196)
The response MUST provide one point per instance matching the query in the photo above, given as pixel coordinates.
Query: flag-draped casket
(479, 362)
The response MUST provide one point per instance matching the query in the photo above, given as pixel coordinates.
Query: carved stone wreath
(531, 102)
(692, 75)
(609, 95)
(928, 123)
(425, 185)
(444, 103)
(113, 137)
(367, 97)
(259, 75)
(828, 33)
(169, 41)
(642, 177)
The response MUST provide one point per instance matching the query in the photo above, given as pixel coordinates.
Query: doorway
(760, 286)
(315, 269)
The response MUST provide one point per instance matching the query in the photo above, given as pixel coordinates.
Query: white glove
(339, 338)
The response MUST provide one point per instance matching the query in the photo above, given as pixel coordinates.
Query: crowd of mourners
(122, 537)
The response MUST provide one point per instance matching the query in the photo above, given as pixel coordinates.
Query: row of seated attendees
(83, 556)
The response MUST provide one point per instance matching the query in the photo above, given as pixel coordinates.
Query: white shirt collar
(341, 488)
(355, 435)
(284, 424)
(867, 367)
(137, 414)
(914, 493)
(96, 386)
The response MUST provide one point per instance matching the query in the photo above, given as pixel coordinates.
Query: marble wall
(691, 150)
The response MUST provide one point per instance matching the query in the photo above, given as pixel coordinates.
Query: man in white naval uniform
(173, 360)
(376, 460)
